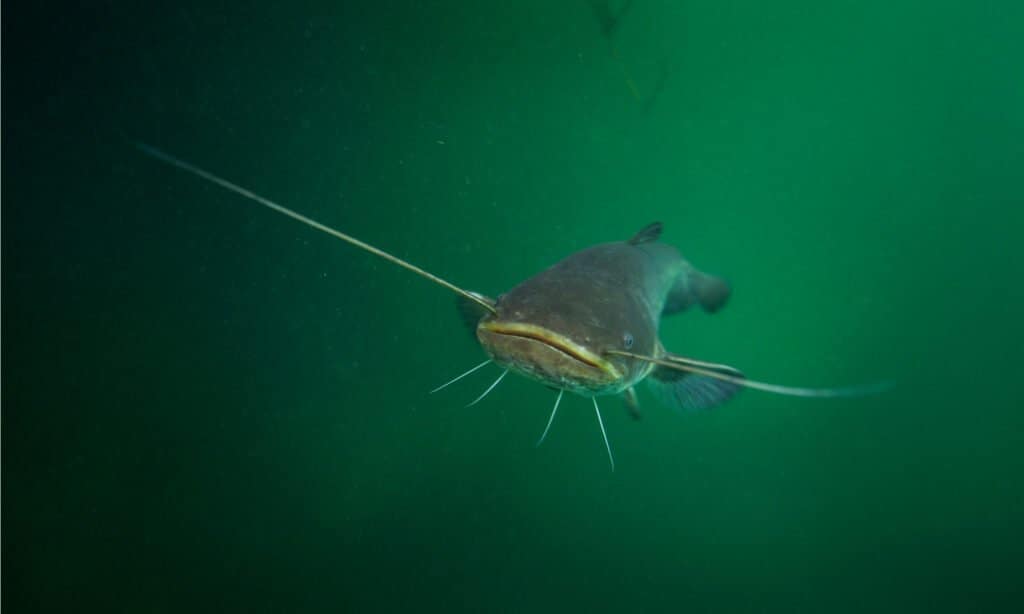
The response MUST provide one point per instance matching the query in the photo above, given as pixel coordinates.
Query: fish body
(558, 326)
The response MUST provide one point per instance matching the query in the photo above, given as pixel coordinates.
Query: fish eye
(627, 341)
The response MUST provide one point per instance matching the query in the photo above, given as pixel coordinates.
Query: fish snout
(551, 358)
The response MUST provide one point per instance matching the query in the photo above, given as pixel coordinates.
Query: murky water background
(207, 406)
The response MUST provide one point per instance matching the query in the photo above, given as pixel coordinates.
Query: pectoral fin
(692, 391)
(632, 404)
(470, 311)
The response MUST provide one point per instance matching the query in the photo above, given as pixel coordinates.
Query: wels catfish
(589, 323)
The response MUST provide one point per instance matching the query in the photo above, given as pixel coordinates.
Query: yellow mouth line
(555, 341)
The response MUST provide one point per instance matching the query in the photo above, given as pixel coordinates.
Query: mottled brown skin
(607, 297)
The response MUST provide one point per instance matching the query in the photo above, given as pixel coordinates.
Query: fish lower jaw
(581, 387)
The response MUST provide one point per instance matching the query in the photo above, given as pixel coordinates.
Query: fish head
(561, 339)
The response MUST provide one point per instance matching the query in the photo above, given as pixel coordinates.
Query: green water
(207, 406)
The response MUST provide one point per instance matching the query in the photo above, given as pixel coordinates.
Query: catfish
(588, 324)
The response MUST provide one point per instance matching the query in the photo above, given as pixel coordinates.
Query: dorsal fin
(648, 233)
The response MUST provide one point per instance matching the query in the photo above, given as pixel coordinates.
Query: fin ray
(692, 391)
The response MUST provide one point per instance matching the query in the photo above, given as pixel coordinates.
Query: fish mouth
(554, 341)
